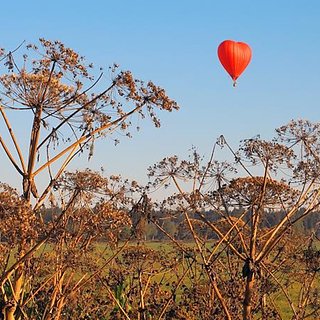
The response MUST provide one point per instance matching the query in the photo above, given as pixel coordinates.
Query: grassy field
(158, 271)
(279, 298)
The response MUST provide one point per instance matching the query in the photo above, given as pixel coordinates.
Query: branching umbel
(252, 218)
(50, 89)
(53, 88)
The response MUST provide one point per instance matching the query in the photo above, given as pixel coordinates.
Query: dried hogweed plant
(52, 88)
(251, 221)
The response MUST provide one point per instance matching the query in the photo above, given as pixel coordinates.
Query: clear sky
(174, 43)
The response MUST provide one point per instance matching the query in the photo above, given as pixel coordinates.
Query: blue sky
(174, 44)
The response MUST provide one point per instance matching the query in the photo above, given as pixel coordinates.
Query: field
(196, 275)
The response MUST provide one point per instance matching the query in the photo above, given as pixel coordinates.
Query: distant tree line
(175, 225)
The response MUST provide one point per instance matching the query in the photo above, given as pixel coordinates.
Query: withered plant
(50, 89)
(250, 207)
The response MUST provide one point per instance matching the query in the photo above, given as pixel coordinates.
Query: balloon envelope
(234, 56)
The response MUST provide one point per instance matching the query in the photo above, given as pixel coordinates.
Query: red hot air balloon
(235, 57)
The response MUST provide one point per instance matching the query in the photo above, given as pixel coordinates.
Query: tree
(53, 88)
